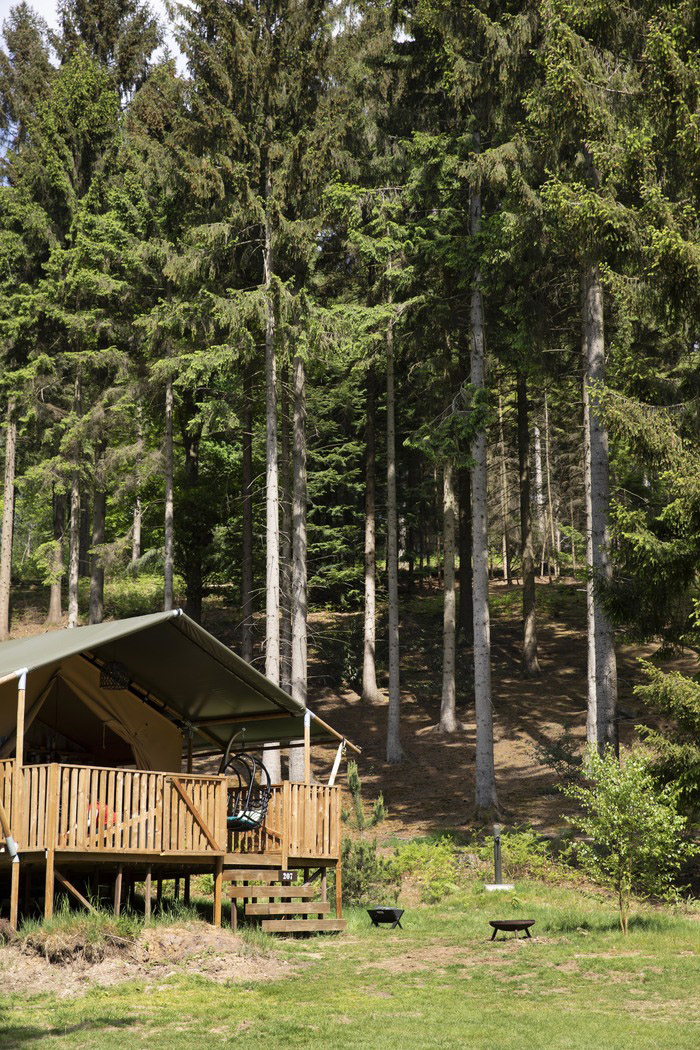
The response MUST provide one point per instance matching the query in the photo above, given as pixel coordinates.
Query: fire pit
(386, 915)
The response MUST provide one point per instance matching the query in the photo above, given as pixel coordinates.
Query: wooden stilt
(176, 890)
(14, 895)
(118, 891)
(49, 883)
(147, 894)
(218, 884)
(234, 915)
(186, 894)
(338, 891)
(159, 894)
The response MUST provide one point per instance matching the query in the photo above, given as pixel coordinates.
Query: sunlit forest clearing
(350, 523)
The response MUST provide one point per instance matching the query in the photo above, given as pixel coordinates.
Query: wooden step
(241, 892)
(289, 908)
(304, 925)
(259, 874)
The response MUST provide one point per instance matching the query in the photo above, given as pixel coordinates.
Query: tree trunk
(539, 497)
(466, 603)
(8, 521)
(504, 492)
(394, 751)
(486, 799)
(136, 532)
(299, 568)
(550, 501)
(369, 671)
(74, 541)
(448, 712)
(55, 614)
(530, 665)
(137, 515)
(601, 724)
(246, 630)
(97, 573)
(193, 554)
(272, 526)
(573, 541)
(169, 558)
(85, 534)
(286, 543)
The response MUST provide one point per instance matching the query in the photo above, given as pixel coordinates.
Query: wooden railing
(99, 809)
(91, 808)
(303, 820)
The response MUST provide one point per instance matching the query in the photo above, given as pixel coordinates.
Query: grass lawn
(439, 983)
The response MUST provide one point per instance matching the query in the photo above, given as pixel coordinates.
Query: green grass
(440, 983)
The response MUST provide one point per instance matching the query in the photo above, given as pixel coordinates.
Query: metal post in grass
(497, 884)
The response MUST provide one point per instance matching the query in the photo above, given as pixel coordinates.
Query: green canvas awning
(175, 669)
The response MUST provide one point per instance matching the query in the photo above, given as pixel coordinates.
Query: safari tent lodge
(101, 728)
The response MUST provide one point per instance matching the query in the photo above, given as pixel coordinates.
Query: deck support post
(118, 890)
(218, 884)
(49, 884)
(307, 747)
(186, 893)
(338, 890)
(14, 894)
(51, 838)
(176, 890)
(147, 894)
(159, 894)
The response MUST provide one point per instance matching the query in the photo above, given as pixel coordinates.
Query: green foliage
(675, 746)
(356, 817)
(368, 878)
(434, 865)
(635, 838)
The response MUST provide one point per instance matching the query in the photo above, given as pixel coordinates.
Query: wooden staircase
(278, 906)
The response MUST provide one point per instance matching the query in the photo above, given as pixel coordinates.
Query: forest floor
(433, 789)
(438, 983)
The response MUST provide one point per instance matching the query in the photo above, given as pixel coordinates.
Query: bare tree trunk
(286, 544)
(448, 712)
(137, 516)
(394, 751)
(573, 541)
(601, 724)
(272, 525)
(486, 799)
(169, 556)
(504, 492)
(369, 671)
(193, 555)
(539, 496)
(8, 521)
(55, 614)
(97, 573)
(246, 630)
(136, 531)
(531, 665)
(299, 566)
(85, 533)
(74, 542)
(550, 501)
(466, 604)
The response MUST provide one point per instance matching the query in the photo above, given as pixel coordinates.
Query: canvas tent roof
(180, 676)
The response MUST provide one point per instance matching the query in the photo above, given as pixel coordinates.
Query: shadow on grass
(18, 1035)
(573, 923)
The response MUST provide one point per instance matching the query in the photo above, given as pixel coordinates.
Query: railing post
(51, 837)
(307, 747)
(286, 821)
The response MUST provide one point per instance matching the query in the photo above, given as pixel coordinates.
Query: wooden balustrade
(104, 810)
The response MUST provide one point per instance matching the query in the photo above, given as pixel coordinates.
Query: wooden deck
(74, 818)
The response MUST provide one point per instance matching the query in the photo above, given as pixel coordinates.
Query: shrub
(356, 816)
(635, 834)
(367, 877)
(432, 864)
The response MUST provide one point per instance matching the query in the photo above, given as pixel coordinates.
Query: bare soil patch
(64, 966)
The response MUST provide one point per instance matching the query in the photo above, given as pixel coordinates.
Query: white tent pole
(336, 765)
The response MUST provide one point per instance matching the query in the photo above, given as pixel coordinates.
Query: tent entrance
(66, 730)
